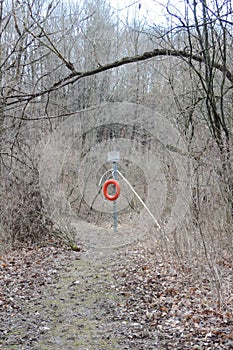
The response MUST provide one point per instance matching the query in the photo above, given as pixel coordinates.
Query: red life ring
(105, 189)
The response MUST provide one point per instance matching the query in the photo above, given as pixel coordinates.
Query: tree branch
(75, 75)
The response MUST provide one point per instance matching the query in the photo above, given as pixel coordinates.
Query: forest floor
(98, 299)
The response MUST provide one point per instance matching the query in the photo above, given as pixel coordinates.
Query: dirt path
(75, 313)
(74, 310)
(71, 313)
(109, 299)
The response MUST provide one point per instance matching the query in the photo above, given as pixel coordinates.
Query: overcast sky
(140, 8)
(153, 10)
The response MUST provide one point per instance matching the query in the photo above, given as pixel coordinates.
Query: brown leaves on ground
(169, 305)
(164, 304)
(23, 274)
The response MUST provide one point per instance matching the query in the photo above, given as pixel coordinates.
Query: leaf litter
(156, 302)
(166, 302)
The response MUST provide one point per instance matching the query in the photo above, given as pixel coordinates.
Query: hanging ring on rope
(117, 189)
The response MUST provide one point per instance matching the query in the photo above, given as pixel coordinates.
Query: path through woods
(136, 297)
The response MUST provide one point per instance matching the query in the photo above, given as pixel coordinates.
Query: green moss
(76, 311)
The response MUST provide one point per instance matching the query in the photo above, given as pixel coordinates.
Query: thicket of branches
(57, 58)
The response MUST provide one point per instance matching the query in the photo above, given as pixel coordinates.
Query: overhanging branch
(76, 75)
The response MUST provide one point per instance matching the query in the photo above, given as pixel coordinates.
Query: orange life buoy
(117, 191)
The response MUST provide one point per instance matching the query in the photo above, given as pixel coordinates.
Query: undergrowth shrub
(22, 217)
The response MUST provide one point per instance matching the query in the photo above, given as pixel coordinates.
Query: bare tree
(57, 58)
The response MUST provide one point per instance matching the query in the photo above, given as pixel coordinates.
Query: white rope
(104, 175)
(139, 198)
(148, 210)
